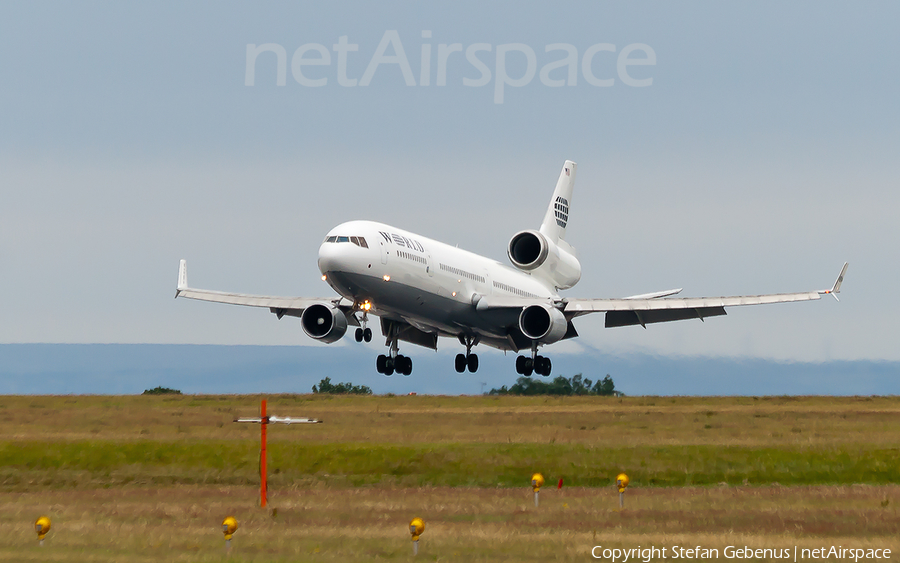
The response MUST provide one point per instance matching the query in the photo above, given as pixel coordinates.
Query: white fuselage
(431, 285)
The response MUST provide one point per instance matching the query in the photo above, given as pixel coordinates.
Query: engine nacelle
(543, 323)
(533, 252)
(324, 322)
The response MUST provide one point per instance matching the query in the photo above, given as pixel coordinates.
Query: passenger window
(362, 242)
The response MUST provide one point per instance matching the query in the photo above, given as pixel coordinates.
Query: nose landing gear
(467, 360)
(364, 332)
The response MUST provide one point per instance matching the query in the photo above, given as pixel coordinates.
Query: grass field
(151, 477)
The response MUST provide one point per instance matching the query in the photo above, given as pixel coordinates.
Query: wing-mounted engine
(543, 323)
(324, 322)
(533, 252)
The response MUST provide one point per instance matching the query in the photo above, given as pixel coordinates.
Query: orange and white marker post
(263, 424)
(264, 420)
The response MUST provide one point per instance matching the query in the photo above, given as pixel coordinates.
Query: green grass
(453, 465)
(135, 478)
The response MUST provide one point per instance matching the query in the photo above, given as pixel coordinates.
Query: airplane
(422, 289)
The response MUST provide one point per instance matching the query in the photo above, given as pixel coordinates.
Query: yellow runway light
(42, 526)
(416, 527)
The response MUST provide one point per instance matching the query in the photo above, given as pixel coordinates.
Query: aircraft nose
(329, 257)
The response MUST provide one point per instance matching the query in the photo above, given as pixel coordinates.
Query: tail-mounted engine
(543, 323)
(324, 322)
(533, 252)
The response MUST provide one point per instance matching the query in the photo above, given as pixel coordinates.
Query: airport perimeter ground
(150, 478)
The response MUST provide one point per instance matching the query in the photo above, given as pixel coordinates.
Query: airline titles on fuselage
(392, 238)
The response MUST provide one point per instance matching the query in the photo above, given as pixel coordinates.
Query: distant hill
(132, 368)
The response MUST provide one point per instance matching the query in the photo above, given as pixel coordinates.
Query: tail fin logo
(561, 209)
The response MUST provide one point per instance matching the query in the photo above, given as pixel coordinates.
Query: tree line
(326, 386)
(576, 385)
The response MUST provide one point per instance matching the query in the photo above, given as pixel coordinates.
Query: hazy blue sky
(762, 156)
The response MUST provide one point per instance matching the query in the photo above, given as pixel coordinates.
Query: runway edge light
(416, 527)
(42, 526)
(622, 484)
(229, 527)
(537, 481)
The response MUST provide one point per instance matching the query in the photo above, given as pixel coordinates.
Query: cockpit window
(358, 241)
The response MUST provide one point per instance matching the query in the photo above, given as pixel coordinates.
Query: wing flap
(628, 318)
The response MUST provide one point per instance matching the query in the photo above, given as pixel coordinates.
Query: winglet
(836, 288)
(182, 278)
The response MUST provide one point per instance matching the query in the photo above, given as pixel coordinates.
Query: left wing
(653, 307)
(631, 311)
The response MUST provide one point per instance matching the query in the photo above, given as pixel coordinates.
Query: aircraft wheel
(460, 363)
(520, 364)
(528, 367)
(548, 366)
(389, 367)
(367, 335)
(358, 335)
(404, 365)
(472, 363)
(539, 365)
(380, 365)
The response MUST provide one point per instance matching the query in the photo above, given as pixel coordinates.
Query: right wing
(281, 306)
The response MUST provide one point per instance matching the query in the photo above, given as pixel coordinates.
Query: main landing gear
(467, 360)
(535, 364)
(387, 365)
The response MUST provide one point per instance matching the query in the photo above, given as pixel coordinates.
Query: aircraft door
(384, 251)
(429, 266)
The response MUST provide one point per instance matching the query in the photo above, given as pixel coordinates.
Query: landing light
(387, 277)
(324, 277)
(366, 306)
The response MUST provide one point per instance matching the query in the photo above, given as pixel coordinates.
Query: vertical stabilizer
(557, 217)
